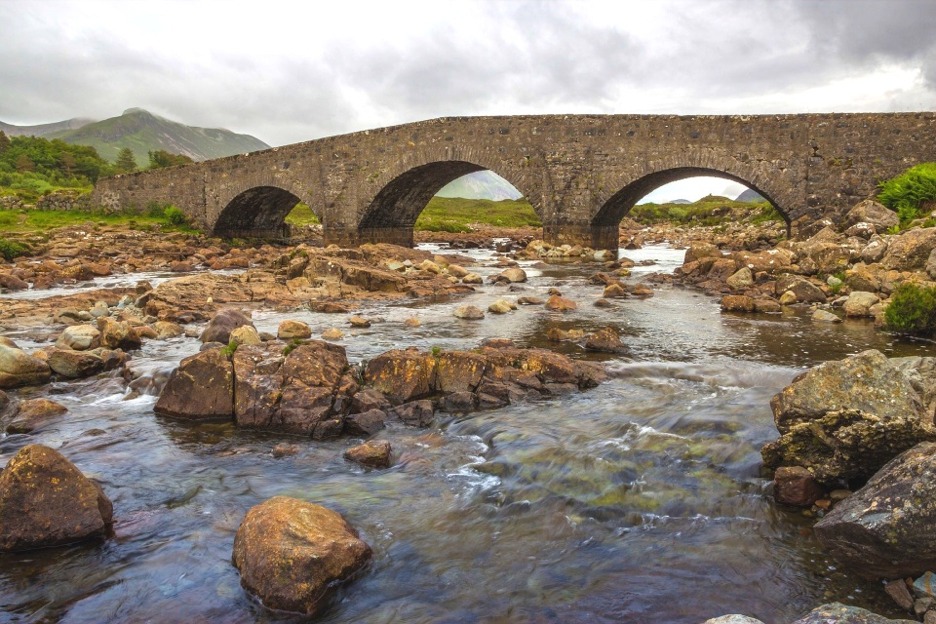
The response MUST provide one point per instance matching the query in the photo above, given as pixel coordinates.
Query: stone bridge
(581, 173)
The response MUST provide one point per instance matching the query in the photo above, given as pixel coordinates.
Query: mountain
(480, 185)
(143, 132)
(43, 130)
(750, 195)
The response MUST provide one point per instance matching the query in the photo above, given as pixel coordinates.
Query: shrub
(11, 249)
(907, 192)
(174, 215)
(229, 350)
(912, 310)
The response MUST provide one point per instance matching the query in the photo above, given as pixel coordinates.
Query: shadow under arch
(398, 204)
(619, 204)
(258, 212)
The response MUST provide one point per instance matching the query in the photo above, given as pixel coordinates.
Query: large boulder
(292, 554)
(18, 368)
(223, 323)
(843, 420)
(46, 501)
(911, 250)
(304, 390)
(202, 387)
(875, 213)
(885, 529)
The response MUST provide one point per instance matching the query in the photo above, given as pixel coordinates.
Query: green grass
(302, 215)
(454, 214)
(912, 310)
(708, 211)
(45, 220)
(451, 214)
(907, 192)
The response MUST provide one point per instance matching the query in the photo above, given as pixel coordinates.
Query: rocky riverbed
(592, 410)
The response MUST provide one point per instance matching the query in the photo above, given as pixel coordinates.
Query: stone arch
(771, 184)
(258, 212)
(399, 203)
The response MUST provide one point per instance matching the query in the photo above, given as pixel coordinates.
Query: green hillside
(143, 132)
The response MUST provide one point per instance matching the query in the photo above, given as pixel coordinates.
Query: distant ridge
(143, 132)
(43, 130)
(480, 185)
(750, 195)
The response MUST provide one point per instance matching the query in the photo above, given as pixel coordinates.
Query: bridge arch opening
(258, 212)
(620, 204)
(394, 211)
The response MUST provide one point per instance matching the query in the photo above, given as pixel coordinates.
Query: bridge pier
(353, 237)
(598, 237)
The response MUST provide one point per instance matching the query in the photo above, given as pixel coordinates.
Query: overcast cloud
(290, 71)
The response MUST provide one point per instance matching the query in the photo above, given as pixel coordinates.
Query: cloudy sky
(292, 71)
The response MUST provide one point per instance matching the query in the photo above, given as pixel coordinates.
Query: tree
(24, 163)
(4, 142)
(125, 163)
(161, 158)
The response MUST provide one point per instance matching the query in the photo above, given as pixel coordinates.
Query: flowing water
(641, 500)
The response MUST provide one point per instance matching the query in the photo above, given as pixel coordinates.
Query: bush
(912, 310)
(174, 215)
(907, 192)
(11, 249)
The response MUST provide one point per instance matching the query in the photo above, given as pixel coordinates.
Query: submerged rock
(837, 613)
(292, 554)
(46, 501)
(373, 454)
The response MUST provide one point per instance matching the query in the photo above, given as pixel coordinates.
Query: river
(641, 500)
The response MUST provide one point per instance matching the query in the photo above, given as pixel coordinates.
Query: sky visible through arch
(288, 71)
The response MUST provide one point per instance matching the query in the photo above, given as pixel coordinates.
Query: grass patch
(456, 214)
(302, 215)
(906, 193)
(12, 249)
(708, 211)
(45, 220)
(912, 310)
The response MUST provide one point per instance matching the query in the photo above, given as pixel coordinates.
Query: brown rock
(365, 423)
(737, 303)
(899, 593)
(796, 486)
(469, 313)
(284, 449)
(558, 303)
(402, 375)
(118, 334)
(459, 371)
(291, 554)
(79, 337)
(605, 340)
(303, 391)
(373, 454)
(910, 250)
(75, 364)
(32, 413)
(359, 322)
(222, 324)
(290, 329)
(202, 387)
(46, 501)
(17, 368)
(885, 529)
(614, 291)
